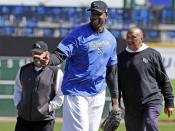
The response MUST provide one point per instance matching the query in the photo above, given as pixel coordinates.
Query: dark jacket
(143, 80)
(38, 90)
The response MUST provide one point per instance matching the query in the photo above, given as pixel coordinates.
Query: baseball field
(165, 123)
(163, 126)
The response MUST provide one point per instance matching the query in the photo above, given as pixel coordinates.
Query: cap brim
(96, 10)
(37, 50)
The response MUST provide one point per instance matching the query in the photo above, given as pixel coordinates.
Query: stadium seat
(19, 10)
(64, 31)
(145, 16)
(27, 31)
(48, 32)
(40, 10)
(166, 16)
(5, 9)
(2, 21)
(55, 11)
(152, 35)
(171, 34)
(31, 23)
(8, 31)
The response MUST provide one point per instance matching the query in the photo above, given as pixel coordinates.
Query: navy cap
(99, 6)
(40, 47)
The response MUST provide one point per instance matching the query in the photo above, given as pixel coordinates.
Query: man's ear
(141, 38)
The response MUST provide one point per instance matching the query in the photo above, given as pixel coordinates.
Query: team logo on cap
(37, 45)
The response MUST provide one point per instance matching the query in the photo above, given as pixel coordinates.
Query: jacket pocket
(44, 110)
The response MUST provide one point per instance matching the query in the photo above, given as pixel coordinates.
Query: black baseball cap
(40, 47)
(99, 6)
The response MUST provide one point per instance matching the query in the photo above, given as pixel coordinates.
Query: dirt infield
(167, 122)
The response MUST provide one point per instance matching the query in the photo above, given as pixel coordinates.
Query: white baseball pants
(82, 113)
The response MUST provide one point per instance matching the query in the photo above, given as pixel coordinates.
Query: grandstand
(48, 20)
(24, 21)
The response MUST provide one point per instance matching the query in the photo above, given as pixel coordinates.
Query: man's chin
(38, 65)
(99, 27)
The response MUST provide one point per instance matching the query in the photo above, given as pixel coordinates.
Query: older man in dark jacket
(142, 82)
(37, 93)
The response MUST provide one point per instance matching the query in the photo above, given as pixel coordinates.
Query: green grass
(163, 116)
(9, 126)
(173, 84)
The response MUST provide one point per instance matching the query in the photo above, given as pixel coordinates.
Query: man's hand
(115, 104)
(169, 111)
(43, 58)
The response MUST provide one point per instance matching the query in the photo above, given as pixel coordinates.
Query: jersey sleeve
(68, 45)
